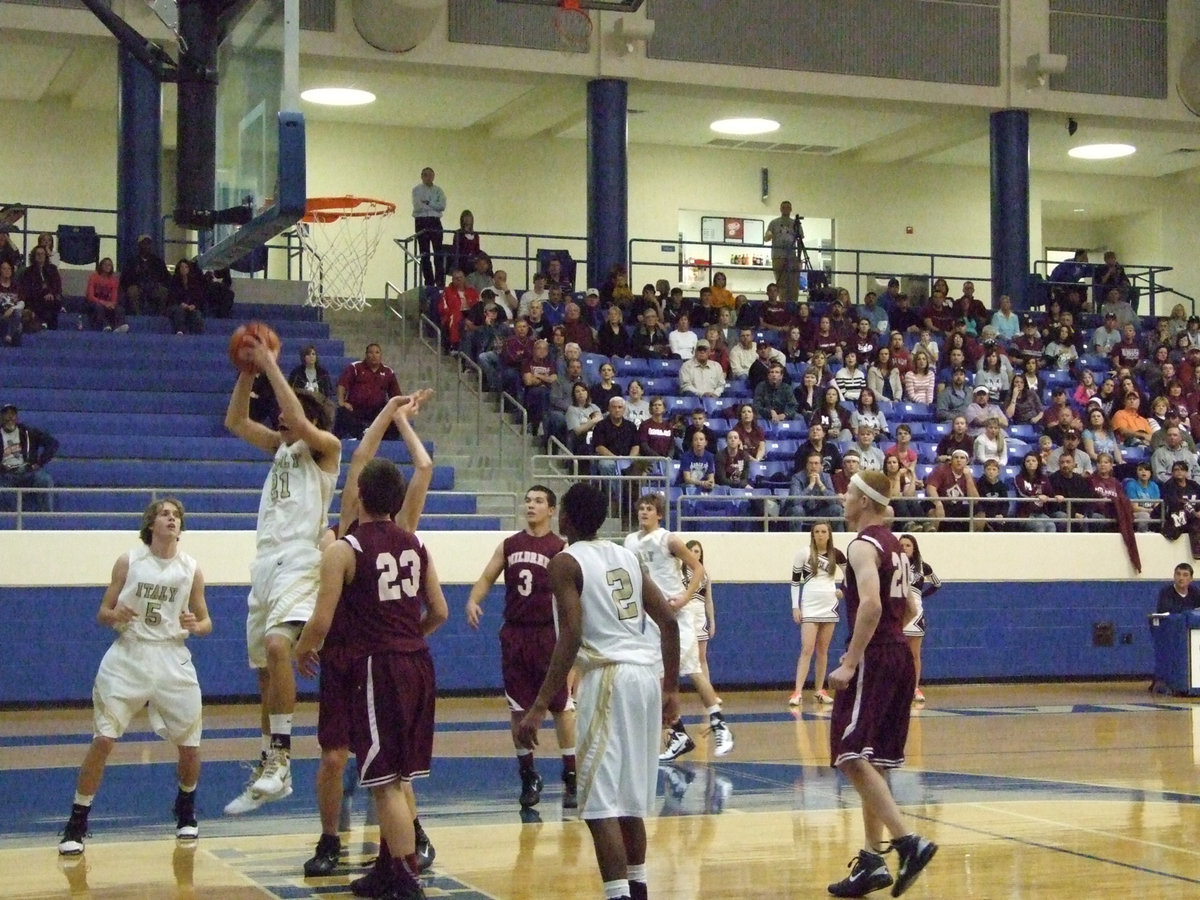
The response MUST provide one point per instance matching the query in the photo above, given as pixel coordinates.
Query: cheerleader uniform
(923, 583)
(697, 608)
(815, 593)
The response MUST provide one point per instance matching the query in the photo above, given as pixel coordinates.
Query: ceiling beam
(940, 132)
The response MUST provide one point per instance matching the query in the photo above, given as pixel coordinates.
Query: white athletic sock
(280, 724)
(567, 751)
(521, 751)
(187, 788)
(84, 799)
(615, 889)
(714, 710)
(637, 873)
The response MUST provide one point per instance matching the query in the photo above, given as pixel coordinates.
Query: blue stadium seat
(682, 405)
(914, 412)
(785, 449)
(631, 366)
(1022, 431)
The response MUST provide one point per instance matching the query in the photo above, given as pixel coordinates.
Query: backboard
(260, 146)
(623, 6)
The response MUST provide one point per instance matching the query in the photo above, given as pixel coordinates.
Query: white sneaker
(120, 329)
(251, 798)
(722, 738)
(276, 775)
(678, 744)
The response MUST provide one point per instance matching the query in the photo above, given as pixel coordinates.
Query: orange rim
(329, 209)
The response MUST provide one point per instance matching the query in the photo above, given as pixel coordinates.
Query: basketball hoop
(339, 236)
(573, 26)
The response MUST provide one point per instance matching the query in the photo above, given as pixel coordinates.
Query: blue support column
(608, 178)
(1010, 205)
(139, 157)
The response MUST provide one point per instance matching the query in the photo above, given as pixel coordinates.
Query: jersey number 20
(398, 579)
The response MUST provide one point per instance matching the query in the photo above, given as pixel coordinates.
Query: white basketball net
(337, 250)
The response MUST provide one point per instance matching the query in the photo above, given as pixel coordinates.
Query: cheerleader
(814, 608)
(704, 619)
(923, 583)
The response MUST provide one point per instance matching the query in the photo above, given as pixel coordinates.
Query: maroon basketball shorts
(525, 652)
(335, 699)
(870, 717)
(391, 717)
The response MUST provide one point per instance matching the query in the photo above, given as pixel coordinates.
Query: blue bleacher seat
(914, 412)
(795, 429)
(631, 366)
(918, 430)
(764, 470)
(937, 430)
(665, 366)
(682, 405)
(1022, 431)
(782, 450)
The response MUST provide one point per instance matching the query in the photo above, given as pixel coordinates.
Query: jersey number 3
(398, 578)
(621, 586)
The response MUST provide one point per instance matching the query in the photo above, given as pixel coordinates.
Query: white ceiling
(79, 70)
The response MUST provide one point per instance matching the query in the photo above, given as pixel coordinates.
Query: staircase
(489, 456)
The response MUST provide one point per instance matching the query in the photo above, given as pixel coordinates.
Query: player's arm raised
(865, 561)
(325, 447)
(337, 568)
(436, 611)
(110, 613)
(479, 591)
(238, 421)
(363, 454)
(195, 619)
(566, 580)
(422, 477)
(692, 564)
(663, 613)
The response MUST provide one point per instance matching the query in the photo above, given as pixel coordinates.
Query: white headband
(861, 483)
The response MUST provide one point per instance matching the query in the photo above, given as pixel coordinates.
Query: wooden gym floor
(1033, 791)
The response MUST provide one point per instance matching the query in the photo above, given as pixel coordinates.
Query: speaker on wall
(766, 184)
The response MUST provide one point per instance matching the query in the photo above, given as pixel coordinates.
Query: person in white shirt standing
(662, 552)
(615, 625)
(154, 601)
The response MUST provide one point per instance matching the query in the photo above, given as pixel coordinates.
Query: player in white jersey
(616, 626)
(662, 552)
(285, 574)
(154, 600)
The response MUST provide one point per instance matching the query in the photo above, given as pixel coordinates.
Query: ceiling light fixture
(338, 96)
(744, 126)
(1102, 151)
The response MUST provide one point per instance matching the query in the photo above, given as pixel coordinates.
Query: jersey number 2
(900, 576)
(621, 586)
(400, 578)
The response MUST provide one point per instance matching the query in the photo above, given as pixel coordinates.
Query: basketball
(243, 339)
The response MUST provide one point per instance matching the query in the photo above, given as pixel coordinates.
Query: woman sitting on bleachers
(733, 462)
(103, 300)
(613, 339)
(1024, 406)
(753, 438)
(919, 381)
(850, 378)
(606, 388)
(902, 489)
(995, 373)
(794, 348)
(582, 416)
(1098, 437)
(40, 287)
(831, 415)
(1033, 493)
(637, 409)
(311, 376)
(867, 412)
(808, 394)
(883, 377)
(1060, 353)
(11, 306)
(718, 350)
(185, 298)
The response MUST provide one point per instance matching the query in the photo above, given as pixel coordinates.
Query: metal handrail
(526, 257)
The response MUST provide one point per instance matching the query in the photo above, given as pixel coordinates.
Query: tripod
(801, 250)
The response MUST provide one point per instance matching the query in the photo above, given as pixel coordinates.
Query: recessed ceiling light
(744, 126)
(338, 96)
(1080, 209)
(1102, 151)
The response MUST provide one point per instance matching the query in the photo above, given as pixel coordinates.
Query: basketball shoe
(570, 794)
(326, 858)
(73, 833)
(868, 872)
(722, 737)
(250, 798)
(915, 852)
(425, 852)
(679, 743)
(531, 788)
(186, 828)
(276, 772)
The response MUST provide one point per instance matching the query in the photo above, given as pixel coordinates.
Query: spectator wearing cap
(1172, 450)
(982, 408)
(766, 356)
(957, 439)
(902, 316)
(1071, 447)
(1006, 322)
(954, 398)
(506, 297)
(1060, 416)
(485, 336)
(1028, 344)
(1132, 428)
(593, 312)
(682, 339)
(1107, 336)
(1068, 484)
(948, 487)
(871, 310)
(699, 376)
(144, 280)
(1173, 417)
(26, 452)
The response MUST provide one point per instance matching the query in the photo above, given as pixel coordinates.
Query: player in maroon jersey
(382, 581)
(874, 684)
(528, 635)
(336, 685)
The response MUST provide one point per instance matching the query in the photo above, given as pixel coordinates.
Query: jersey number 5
(621, 586)
(398, 579)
